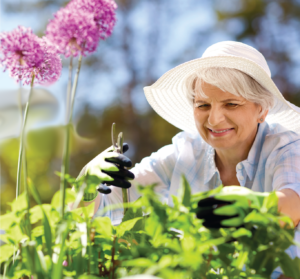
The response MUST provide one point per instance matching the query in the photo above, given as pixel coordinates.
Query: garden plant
(62, 240)
(153, 238)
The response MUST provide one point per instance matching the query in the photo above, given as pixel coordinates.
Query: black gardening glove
(229, 207)
(108, 168)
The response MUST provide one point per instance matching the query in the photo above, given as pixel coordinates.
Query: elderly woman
(237, 130)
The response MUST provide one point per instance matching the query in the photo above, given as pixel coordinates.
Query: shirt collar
(251, 162)
(210, 167)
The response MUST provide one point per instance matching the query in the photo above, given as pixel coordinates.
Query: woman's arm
(289, 204)
(286, 180)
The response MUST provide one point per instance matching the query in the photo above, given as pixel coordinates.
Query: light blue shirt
(273, 164)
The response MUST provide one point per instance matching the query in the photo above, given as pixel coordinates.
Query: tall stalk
(65, 163)
(21, 148)
(21, 118)
(22, 159)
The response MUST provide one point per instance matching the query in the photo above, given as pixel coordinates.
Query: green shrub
(153, 238)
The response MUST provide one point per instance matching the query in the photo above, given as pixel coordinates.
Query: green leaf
(15, 233)
(132, 213)
(70, 198)
(175, 202)
(39, 212)
(184, 192)
(86, 276)
(78, 263)
(75, 216)
(165, 261)
(36, 212)
(103, 226)
(6, 251)
(126, 226)
(241, 260)
(58, 267)
(32, 259)
(7, 220)
(241, 232)
(87, 211)
(47, 233)
(202, 195)
(43, 261)
(141, 262)
(38, 231)
(256, 218)
(287, 265)
(270, 203)
(19, 204)
(34, 192)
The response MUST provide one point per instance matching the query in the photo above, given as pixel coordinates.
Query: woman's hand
(229, 207)
(109, 168)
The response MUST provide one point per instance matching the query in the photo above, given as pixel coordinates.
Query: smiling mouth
(220, 131)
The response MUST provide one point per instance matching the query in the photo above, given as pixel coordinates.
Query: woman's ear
(263, 115)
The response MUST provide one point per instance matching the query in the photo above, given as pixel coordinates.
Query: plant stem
(22, 158)
(21, 118)
(112, 269)
(125, 199)
(65, 162)
(90, 246)
(99, 264)
(75, 87)
(18, 185)
(21, 148)
(125, 192)
(263, 263)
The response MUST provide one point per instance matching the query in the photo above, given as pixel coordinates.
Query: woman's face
(224, 120)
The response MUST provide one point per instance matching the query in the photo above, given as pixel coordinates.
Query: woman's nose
(215, 116)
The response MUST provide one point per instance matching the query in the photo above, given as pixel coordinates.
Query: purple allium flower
(65, 263)
(103, 11)
(73, 31)
(49, 69)
(25, 54)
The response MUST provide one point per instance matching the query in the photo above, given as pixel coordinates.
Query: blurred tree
(273, 28)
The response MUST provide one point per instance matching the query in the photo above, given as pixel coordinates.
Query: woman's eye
(232, 105)
(202, 106)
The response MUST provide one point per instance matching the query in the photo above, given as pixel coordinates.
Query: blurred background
(150, 37)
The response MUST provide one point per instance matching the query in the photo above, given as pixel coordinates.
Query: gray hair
(232, 81)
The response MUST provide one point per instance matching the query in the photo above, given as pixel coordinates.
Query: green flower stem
(64, 166)
(69, 88)
(22, 159)
(125, 199)
(125, 192)
(75, 87)
(21, 117)
(65, 163)
(21, 148)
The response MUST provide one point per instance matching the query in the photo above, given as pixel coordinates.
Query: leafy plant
(153, 238)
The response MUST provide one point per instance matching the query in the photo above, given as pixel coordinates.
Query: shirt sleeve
(157, 168)
(287, 168)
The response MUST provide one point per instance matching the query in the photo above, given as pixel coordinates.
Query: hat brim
(167, 96)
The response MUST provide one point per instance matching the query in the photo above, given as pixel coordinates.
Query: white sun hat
(168, 96)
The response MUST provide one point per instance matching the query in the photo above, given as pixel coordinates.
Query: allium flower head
(25, 54)
(103, 11)
(49, 68)
(73, 31)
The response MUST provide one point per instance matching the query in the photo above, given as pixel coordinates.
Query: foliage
(153, 238)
